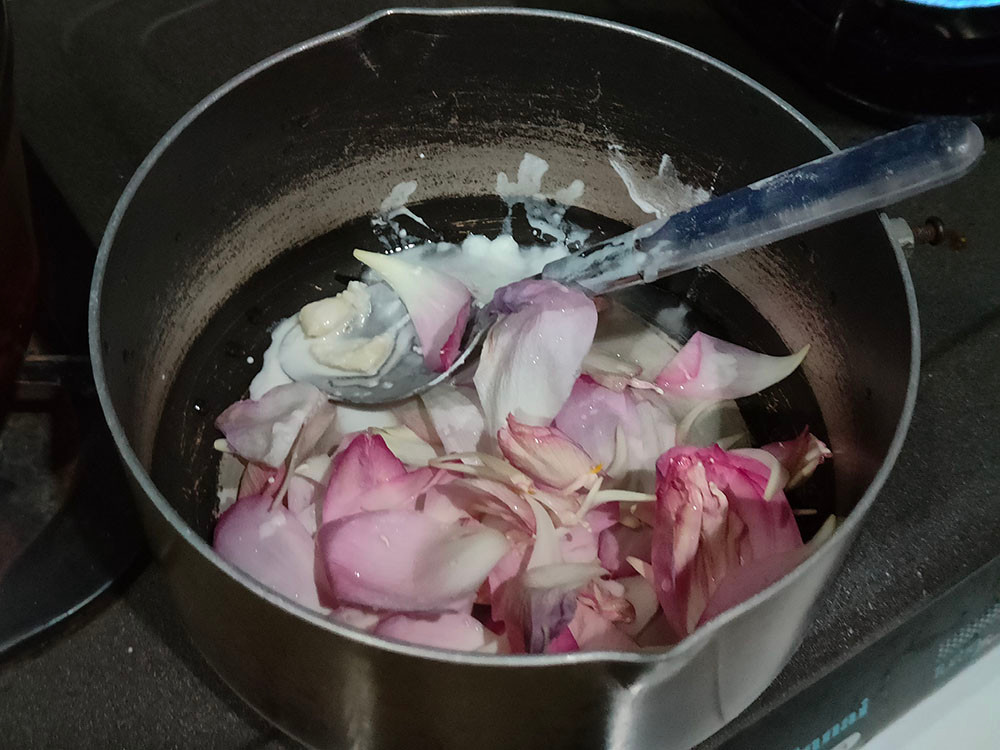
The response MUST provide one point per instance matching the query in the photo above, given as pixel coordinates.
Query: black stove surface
(100, 80)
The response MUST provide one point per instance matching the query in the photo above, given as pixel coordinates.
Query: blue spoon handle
(871, 175)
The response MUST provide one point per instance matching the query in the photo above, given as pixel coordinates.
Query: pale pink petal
(532, 354)
(406, 445)
(302, 497)
(456, 417)
(800, 456)
(544, 453)
(413, 413)
(365, 463)
(355, 617)
(264, 431)
(707, 368)
(593, 632)
(591, 416)
(608, 599)
(399, 493)
(258, 479)
(618, 543)
(602, 517)
(270, 545)
(624, 432)
(479, 497)
(539, 604)
(640, 594)
(405, 561)
(438, 304)
(451, 630)
(439, 505)
(513, 563)
(578, 544)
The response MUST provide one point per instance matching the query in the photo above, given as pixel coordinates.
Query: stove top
(100, 80)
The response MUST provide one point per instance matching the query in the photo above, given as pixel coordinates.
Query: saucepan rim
(688, 646)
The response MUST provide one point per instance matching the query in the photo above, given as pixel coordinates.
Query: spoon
(873, 174)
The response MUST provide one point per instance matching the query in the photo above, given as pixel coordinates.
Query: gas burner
(67, 528)
(904, 58)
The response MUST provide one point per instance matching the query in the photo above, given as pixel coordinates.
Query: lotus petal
(593, 632)
(264, 431)
(617, 544)
(707, 368)
(539, 604)
(400, 492)
(451, 630)
(712, 518)
(544, 453)
(258, 479)
(355, 617)
(532, 354)
(800, 456)
(456, 416)
(623, 431)
(406, 561)
(271, 545)
(406, 445)
(365, 463)
(743, 582)
(438, 304)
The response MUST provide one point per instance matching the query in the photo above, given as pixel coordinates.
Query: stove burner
(67, 528)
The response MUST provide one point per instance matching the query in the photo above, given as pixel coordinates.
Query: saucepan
(244, 193)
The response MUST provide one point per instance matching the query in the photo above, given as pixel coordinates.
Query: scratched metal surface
(99, 82)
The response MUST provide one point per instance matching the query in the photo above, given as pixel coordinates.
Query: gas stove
(92, 652)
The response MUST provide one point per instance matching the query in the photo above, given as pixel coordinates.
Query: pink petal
(593, 632)
(532, 354)
(538, 604)
(362, 619)
(594, 416)
(405, 561)
(270, 545)
(265, 430)
(800, 456)
(451, 630)
(591, 416)
(365, 463)
(399, 493)
(711, 519)
(456, 416)
(564, 643)
(602, 517)
(303, 495)
(478, 497)
(578, 545)
(439, 505)
(543, 453)
(513, 563)
(620, 542)
(438, 304)
(707, 368)
(258, 479)
(608, 599)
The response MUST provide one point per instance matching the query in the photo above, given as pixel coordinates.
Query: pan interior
(226, 354)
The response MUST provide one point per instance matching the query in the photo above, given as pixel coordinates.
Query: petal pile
(544, 507)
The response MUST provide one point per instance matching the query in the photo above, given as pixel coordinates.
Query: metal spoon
(871, 175)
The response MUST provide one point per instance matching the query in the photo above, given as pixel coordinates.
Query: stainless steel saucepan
(258, 196)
